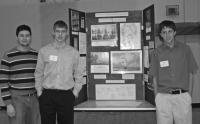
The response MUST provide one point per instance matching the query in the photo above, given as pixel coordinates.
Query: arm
(155, 85)
(39, 73)
(1, 100)
(4, 85)
(191, 82)
(4, 80)
(154, 70)
(193, 68)
(78, 75)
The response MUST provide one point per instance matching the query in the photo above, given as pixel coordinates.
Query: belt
(57, 90)
(3, 108)
(30, 94)
(177, 91)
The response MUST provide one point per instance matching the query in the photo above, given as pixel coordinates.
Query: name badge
(164, 63)
(53, 58)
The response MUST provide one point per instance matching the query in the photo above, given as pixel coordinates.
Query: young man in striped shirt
(17, 80)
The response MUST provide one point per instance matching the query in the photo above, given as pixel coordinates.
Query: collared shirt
(172, 66)
(58, 68)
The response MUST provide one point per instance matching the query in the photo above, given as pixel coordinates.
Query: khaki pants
(3, 117)
(27, 110)
(173, 108)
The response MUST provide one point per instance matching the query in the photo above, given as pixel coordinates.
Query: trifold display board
(149, 45)
(114, 51)
(77, 32)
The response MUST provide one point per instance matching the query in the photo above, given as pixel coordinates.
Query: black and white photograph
(104, 35)
(130, 36)
(126, 61)
(99, 62)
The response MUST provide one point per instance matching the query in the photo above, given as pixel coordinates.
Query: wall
(40, 17)
(49, 13)
(192, 10)
(188, 9)
(14, 15)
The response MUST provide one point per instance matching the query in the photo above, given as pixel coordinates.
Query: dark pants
(57, 104)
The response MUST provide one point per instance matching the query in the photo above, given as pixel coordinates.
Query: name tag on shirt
(53, 58)
(164, 63)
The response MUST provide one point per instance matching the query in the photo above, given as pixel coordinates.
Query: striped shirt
(17, 73)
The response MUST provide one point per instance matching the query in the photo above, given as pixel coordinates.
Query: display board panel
(149, 44)
(114, 54)
(77, 33)
(115, 49)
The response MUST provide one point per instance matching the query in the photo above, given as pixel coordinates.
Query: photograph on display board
(75, 43)
(82, 43)
(130, 36)
(82, 62)
(75, 21)
(126, 61)
(104, 35)
(115, 91)
(99, 62)
(148, 21)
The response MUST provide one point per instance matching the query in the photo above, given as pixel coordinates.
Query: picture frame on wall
(148, 19)
(172, 10)
(126, 61)
(75, 21)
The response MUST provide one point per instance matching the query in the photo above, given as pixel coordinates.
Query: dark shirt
(172, 66)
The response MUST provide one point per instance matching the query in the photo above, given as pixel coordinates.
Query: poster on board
(130, 36)
(126, 61)
(104, 35)
(99, 62)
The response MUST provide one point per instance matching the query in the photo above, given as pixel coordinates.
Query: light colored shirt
(58, 68)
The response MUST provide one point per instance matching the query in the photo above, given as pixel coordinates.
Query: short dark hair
(22, 28)
(166, 23)
(60, 24)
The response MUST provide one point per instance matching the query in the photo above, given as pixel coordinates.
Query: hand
(39, 93)
(10, 110)
(75, 93)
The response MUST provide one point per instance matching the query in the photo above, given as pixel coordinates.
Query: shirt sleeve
(78, 73)
(193, 67)
(4, 80)
(1, 100)
(39, 71)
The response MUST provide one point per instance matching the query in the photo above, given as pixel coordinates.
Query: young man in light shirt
(58, 77)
